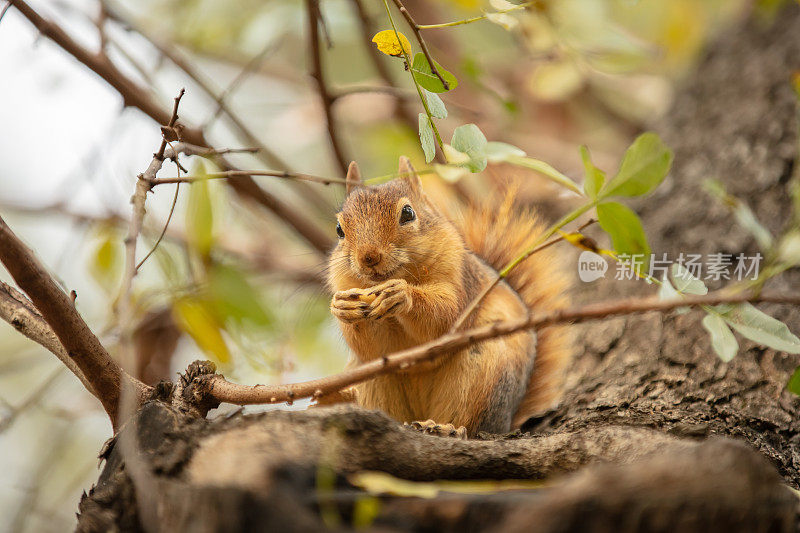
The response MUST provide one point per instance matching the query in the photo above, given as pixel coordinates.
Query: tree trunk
(655, 433)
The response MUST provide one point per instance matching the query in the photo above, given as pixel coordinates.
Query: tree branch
(318, 74)
(18, 311)
(83, 347)
(224, 391)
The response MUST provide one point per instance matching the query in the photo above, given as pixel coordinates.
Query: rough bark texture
(655, 433)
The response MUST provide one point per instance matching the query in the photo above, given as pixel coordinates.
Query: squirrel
(403, 272)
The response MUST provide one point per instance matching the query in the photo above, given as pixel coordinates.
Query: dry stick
(319, 77)
(136, 96)
(421, 41)
(18, 311)
(224, 391)
(103, 373)
(244, 173)
(498, 278)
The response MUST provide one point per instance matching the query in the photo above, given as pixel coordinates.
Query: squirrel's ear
(353, 178)
(409, 175)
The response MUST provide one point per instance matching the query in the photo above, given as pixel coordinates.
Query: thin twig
(319, 77)
(203, 151)
(421, 41)
(224, 391)
(245, 173)
(166, 224)
(472, 19)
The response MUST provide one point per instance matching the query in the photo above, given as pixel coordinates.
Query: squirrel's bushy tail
(498, 232)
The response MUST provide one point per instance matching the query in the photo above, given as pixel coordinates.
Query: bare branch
(318, 74)
(83, 347)
(224, 391)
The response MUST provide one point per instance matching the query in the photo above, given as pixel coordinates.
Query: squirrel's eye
(339, 231)
(407, 214)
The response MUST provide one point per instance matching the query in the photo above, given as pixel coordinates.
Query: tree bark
(655, 433)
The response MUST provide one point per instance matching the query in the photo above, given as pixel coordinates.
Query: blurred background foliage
(231, 282)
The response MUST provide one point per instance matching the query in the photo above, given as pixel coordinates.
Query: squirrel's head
(387, 231)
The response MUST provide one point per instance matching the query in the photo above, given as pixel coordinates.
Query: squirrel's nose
(371, 258)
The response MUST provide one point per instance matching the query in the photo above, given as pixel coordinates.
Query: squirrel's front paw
(377, 302)
(391, 297)
(351, 305)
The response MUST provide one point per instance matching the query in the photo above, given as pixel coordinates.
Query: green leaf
(426, 137)
(794, 382)
(470, 140)
(435, 104)
(760, 327)
(744, 216)
(645, 165)
(546, 170)
(595, 178)
(626, 232)
(234, 298)
(497, 152)
(686, 283)
(199, 215)
(746, 219)
(722, 339)
(421, 70)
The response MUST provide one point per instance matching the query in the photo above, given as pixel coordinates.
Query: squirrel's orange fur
(400, 281)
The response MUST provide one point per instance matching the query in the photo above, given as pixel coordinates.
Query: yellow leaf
(581, 241)
(386, 41)
(380, 483)
(194, 317)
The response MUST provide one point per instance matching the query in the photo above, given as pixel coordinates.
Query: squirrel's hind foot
(440, 430)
